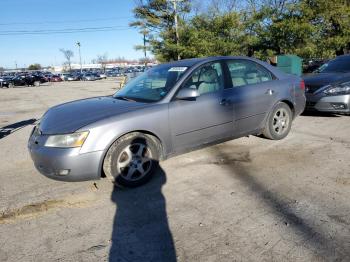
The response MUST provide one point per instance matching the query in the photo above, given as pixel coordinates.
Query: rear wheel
(132, 159)
(279, 122)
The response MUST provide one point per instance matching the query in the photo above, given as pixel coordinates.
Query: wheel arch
(152, 135)
(286, 101)
(290, 104)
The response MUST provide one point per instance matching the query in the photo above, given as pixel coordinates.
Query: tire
(279, 122)
(36, 83)
(10, 85)
(128, 156)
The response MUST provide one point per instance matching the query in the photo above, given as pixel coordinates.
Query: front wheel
(132, 159)
(279, 122)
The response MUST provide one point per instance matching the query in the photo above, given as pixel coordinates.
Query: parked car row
(38, 77)
(77, 76)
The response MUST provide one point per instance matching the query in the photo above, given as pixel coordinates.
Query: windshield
(339, 65)
(152, 85)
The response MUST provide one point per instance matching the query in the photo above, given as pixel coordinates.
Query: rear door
(253, 94)
(206, 119)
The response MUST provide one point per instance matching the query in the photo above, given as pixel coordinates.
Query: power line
(65, 31)
(66, 21)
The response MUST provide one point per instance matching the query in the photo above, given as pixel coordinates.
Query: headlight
(341, 89)
(68, 140)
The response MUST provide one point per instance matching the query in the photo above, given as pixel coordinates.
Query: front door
(208, 118)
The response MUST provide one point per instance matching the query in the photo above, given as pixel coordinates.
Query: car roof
(194, 61)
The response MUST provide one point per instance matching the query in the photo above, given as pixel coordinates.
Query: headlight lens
(340, 89)
(68, 140)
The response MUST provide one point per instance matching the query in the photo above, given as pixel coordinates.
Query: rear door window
(244, 73)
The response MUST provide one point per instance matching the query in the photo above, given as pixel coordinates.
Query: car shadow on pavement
(9, 129)
(326, 247)
(141, 231)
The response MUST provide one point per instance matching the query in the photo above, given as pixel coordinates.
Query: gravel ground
(250, 199)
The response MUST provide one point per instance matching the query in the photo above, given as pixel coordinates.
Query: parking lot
(249, 199)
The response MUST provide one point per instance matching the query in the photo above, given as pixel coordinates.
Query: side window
(206, 79)
(247, 73)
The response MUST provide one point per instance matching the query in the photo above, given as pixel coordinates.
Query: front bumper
(53, 162)
(332, 104)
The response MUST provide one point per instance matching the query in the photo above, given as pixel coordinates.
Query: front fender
(153, 120)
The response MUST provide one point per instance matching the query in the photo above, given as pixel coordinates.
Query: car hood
(69, 117)
(316, 81)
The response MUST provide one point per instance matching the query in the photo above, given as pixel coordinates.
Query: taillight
(302, 85)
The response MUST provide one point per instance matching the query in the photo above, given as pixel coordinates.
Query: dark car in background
(22, 80)
(328, 90)
(5, 82)
(38, 79)
(312, 66)
(169, 109)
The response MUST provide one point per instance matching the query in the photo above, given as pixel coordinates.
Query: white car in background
(64, 76)
(103, 76)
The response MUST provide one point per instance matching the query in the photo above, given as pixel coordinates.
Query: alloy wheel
(280, 121)
(134, 162)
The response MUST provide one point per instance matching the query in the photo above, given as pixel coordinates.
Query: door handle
(269, 92)
(225, 102)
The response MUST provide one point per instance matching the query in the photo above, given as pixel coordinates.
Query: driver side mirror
(188, 94)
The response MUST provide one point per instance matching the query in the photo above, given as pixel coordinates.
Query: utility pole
(144, 48)
(176, 25)
(81, 67)
(145, 40)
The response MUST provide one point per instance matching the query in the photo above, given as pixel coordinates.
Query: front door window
(206, 79)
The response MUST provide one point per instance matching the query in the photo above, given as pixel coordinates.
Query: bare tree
(68, 54)
(102, 60)
(223, 6)
(278, 6)
(216, 7)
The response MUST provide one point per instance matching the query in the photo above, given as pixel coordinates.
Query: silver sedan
(170, 109)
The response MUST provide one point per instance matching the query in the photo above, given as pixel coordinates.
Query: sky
(21, 17)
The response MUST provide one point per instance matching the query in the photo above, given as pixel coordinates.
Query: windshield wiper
(125, 98)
